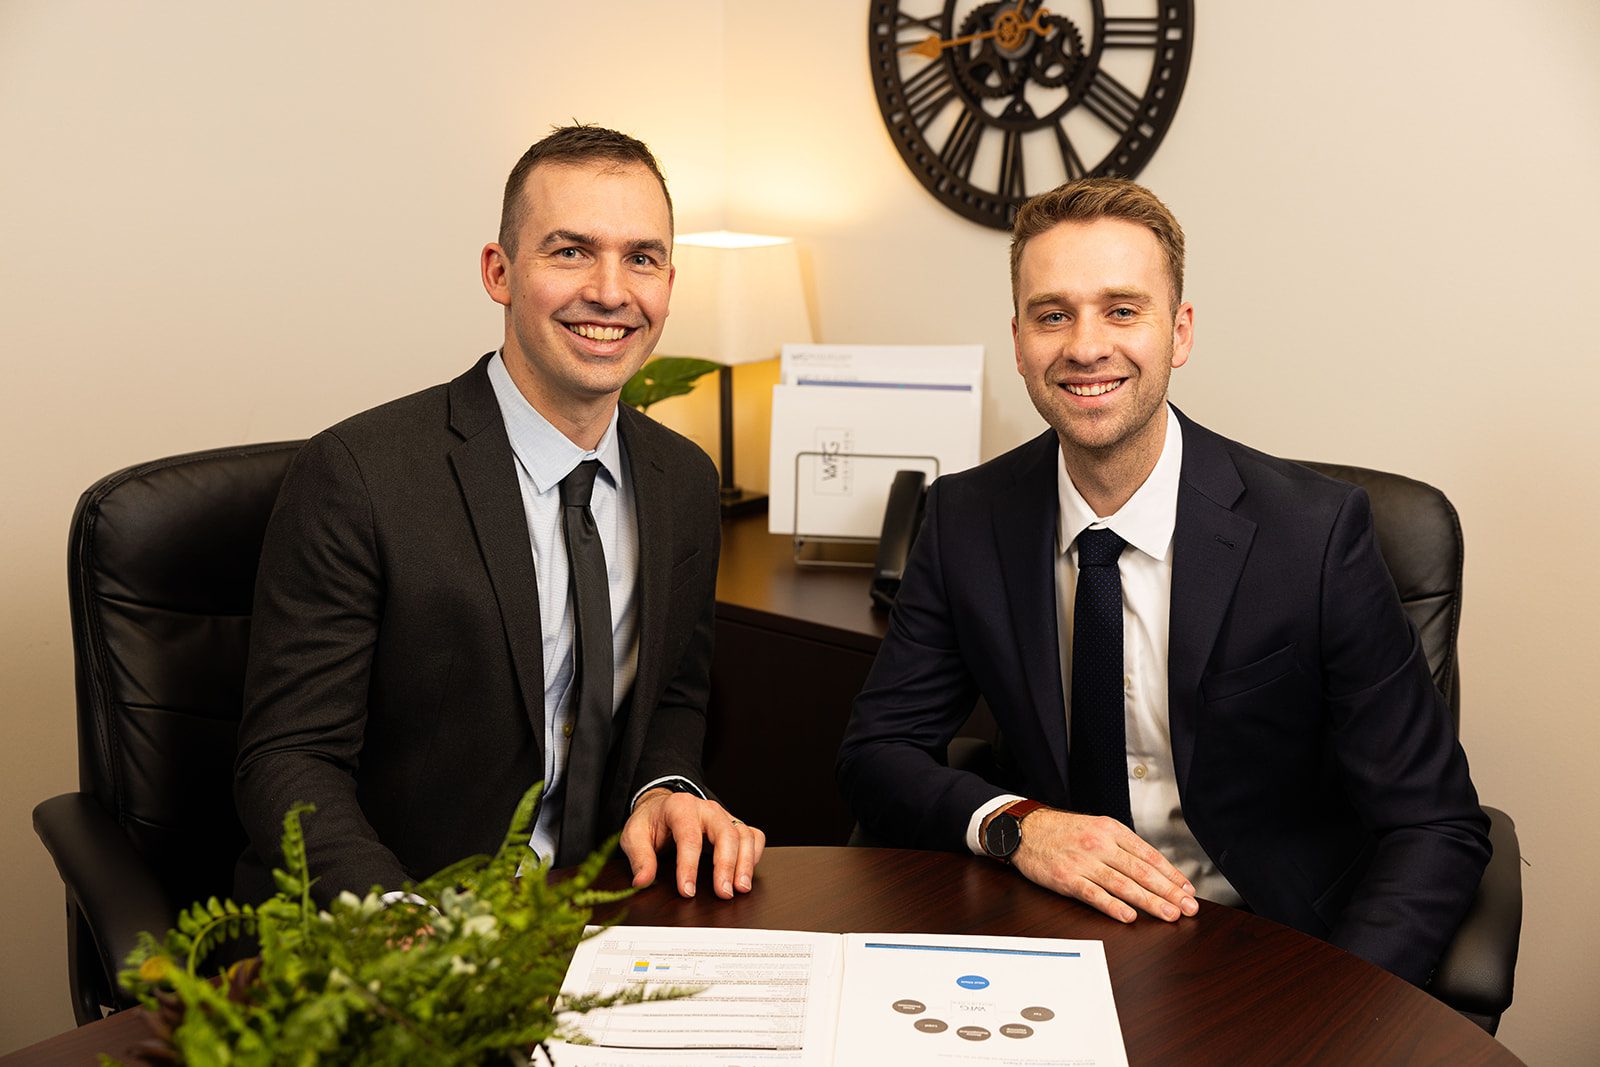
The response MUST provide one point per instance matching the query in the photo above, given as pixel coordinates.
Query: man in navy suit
(415, 662)
(1276, 740)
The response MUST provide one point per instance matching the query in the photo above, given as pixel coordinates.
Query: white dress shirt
(544, 457)
(1146, 523)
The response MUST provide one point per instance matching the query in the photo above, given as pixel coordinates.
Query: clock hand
(1008, 28)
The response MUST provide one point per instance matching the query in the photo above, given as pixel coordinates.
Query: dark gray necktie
(1097, 762)
(590, 592)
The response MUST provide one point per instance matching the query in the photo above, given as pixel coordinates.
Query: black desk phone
(902, 518)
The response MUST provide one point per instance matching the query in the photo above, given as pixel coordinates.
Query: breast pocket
(683, 570)
(1237, 681)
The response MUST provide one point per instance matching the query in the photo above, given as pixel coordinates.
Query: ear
(495, 265)
(1016, 343)
(1182, 334)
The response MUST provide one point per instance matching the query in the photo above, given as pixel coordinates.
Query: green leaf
(663, 377)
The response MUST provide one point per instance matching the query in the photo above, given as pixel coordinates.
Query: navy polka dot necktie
(1097, 763)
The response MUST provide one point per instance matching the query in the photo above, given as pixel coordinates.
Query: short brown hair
(1088, 199)
(571, 145)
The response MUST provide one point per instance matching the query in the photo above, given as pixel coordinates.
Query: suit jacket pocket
(1236, 680)
(683, 570)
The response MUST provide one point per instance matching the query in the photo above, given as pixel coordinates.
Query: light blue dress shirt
(544, 457)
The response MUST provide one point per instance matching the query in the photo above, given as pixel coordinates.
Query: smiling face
(1097, 340)
(586, 291)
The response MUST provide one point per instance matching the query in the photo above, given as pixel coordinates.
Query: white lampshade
(737, 298)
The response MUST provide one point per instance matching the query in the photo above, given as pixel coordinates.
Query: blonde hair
(1088, 199)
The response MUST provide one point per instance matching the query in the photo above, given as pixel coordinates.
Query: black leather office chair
(161, 573)
(1419, 535)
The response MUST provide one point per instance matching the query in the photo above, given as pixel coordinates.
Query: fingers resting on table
(1101, 862)
(689, 822)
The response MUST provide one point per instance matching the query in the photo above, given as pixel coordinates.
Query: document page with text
(767, 997)
(945, 999)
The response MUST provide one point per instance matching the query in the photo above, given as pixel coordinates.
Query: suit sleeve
(891, 764)
(319, 596)
(675, 739)
(1396, 748)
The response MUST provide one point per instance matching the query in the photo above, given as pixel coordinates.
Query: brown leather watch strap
(1021, 809)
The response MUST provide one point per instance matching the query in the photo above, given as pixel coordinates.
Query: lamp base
(736, 502)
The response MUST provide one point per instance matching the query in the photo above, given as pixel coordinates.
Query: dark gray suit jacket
(395, 676)
(1316, 762)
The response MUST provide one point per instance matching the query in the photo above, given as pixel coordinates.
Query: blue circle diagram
(972, 981)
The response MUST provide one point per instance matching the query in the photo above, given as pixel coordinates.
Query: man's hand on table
(1096, 859)
(688, 821)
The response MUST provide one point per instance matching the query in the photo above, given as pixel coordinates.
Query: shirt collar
(1146, 521)
(547, 454)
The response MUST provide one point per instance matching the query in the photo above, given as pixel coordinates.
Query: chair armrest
(1475, 976)
(116, 892)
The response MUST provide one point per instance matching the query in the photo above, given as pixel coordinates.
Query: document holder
(839, 501)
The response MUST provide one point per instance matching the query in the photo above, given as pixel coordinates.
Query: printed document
(853, 1000)
(890, 407)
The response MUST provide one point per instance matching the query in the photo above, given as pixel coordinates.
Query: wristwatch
(1004, 832)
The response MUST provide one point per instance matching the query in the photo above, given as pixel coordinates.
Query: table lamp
(737, 299)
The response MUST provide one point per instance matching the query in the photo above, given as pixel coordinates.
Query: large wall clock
(990, 103)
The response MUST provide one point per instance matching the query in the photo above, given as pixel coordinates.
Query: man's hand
(1101, 862)
(683, 818)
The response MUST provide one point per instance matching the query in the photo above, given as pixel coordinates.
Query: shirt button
(566, 729)
(1139, 770)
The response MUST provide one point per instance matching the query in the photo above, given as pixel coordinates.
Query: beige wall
(219, 227)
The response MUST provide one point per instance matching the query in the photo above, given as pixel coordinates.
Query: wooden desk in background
(1225, 987)
(793, 647)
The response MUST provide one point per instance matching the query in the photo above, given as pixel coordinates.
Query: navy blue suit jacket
(1316, 762)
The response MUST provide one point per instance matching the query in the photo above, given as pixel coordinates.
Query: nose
(1087, 341)
(605, 283)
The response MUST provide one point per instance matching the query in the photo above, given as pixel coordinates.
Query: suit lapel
(486, 469)
(652, 508)
(1025, 518)
(1210, 546)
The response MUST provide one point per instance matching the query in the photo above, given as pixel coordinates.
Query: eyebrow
(567, 237)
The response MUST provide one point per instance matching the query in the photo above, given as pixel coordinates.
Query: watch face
(990, 103)
(1002, 836)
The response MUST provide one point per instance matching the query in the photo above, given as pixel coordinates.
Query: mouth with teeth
(595, 331)
(1093, 388)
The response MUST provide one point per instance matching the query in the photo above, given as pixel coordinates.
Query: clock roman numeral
(1111, 102)
(904, 22)
(1069, 155)
(961, 147)
(1013, 185)
(1132, 32)
(927, 92)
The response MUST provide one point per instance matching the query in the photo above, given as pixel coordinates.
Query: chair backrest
(161, 574)
(1419, 535)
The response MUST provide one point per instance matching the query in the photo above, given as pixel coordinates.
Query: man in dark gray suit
(1204, 678)
(418, 657)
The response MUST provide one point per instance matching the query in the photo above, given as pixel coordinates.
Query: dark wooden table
(1225, 987)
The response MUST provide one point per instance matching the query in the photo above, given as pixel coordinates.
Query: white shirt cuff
(974, 823)
(663, 780)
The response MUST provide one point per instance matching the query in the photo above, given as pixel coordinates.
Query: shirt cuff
(677, 783)
(974, 823)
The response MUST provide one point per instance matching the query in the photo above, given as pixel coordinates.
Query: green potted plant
(472, 979)
(663, 377)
